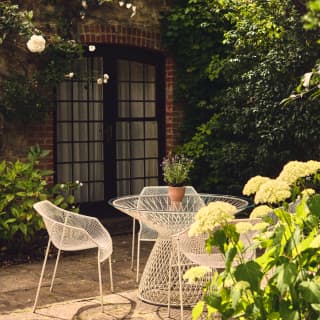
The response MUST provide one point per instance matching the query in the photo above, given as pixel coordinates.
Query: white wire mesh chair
(193, 248)
(71, 231)
(145, 233)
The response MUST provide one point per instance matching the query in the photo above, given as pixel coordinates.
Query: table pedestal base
(153, 287)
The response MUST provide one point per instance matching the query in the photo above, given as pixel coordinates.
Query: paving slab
(75, 294)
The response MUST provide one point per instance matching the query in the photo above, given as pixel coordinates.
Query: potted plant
(176, 170)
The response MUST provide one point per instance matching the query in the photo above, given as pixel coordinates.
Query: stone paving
(75, 293)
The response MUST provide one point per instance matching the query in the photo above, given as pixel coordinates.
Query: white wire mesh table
(167, 218)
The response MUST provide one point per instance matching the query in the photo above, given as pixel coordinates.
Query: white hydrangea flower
(243, 227)
(196, 273)
(273, 192)
(36, 44)
(294, 170)
(308, 192)
(209, 217)
(253, 185)
(313, 166)
(260, 211)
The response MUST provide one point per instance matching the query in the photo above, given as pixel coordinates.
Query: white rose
(36, 44)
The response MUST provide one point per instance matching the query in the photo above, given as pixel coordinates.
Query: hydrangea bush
(283, 281)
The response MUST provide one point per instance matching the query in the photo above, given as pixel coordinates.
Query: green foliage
(236, 61)
(22, 184)
(26, 97)
(14, 21)
(282, 283)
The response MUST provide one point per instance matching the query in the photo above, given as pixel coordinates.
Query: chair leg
(111, 278)
(100, 280)
(55, 270)
(169, 284)
(133, 242)
(41, 276)
(180, 281)
(138, 258)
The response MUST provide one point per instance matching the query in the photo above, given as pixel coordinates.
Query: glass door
(111, 136)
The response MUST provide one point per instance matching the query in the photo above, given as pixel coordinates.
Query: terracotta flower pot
(176, 194)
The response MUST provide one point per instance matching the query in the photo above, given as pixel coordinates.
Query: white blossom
(129, 5)
(69, 75)
(134, 10)
(121, 3)
(99, 81)
(92, 48)
(84, 4)
(36, 43)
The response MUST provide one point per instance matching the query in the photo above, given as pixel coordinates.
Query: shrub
(22, 184)
(283, 282)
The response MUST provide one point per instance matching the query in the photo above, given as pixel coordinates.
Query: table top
(166, 217)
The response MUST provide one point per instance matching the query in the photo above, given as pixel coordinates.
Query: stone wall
(109, 24)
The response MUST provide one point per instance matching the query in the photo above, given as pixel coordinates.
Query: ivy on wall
(236, 61)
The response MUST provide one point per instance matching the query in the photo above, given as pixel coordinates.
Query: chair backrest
(146, 199)
(67, 230)
(194, 247)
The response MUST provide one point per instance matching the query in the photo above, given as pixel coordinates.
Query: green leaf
(310, 291)
(230, 254)
(24, 229)
(197, 310)
(314, 204)
(285, 276)
(250, 272)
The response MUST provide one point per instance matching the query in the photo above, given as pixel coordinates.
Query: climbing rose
(36, 43)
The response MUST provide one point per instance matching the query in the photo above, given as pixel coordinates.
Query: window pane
(123, 150)
(123, 169)
(64, 131)
(80, 111)
(123, 70)
(137, 109)
(64, 152)
(137, 130)
(150, 109)
(137, 149)
(80, 131)
(80, 151)
(123, 109)
(151, 149)
(137, 91)
(123, 130)
(137, 169)
(136, 71)
(95, 151)
(96, 171)
(63, 111)
(151, 129)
